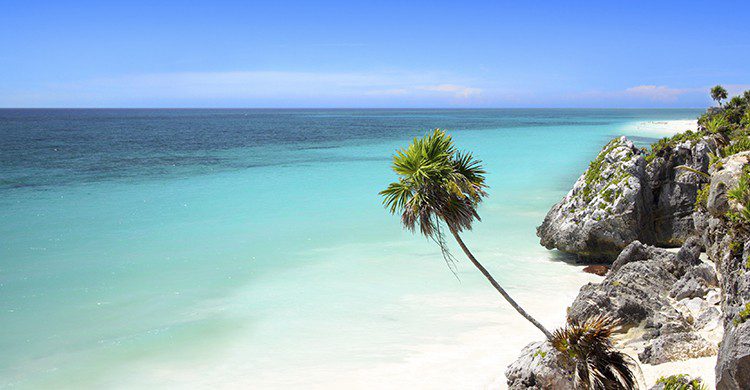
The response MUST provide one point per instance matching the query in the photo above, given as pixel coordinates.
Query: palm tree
(438, 184)
(597, 364)
(718, 93)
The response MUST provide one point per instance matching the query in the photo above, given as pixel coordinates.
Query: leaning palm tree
(438, 185)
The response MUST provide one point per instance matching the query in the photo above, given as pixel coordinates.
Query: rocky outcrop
(729, 248)
(672, 305)
(643, 290)
(674, 190)
(607, 207)
(622, 198)
(733, 362)
(540, 366)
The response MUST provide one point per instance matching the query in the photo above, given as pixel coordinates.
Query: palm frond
(436, 184)
(598, 365)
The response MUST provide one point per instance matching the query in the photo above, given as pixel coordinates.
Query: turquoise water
(231, 248)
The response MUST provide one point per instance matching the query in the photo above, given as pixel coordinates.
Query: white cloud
(450, 90)
(656, 93)
(457, 90)
(249, 87)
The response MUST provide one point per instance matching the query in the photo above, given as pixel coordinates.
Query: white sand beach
(660, 129)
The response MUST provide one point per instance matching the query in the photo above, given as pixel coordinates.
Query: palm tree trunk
(497, 286)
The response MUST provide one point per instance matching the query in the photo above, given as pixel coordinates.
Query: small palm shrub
(739, 145)
(598, 364)
(743, 315)
(717, 124)
(701, 197)
(681, 382)
(741, 194)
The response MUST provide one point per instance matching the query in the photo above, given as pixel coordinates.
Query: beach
(273, 265)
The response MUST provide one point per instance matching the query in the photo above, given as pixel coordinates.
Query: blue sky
(371, 54)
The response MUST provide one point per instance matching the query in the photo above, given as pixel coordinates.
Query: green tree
(718, 93)
(597, 364)
(437, 185)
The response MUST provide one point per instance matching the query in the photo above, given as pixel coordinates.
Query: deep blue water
(55, 147)
(248, 248)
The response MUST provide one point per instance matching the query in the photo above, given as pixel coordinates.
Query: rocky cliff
(627, 195)
(672, 304)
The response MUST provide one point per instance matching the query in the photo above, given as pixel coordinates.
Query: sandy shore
(660, 129)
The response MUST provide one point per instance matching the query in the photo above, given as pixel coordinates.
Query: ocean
(248, 248)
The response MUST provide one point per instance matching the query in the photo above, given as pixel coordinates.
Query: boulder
(641, 290)
(540, 366)
(606, 209)
(733, 363)
(600, 270)
(724, 175)
(620, 198)
(696, 283)
(674, 190)
(677, 346)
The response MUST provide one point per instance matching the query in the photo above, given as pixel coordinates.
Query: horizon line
(355, 108)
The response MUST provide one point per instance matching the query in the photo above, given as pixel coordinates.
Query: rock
(674, 190)
(600, 270)
(605, 210)
(689, 288)
(540, 366)
(696, 282)
(704, 272)
(677, 346)
(637, 290)
(724, 179)
(733, 362)
(729, 249)
(709, 318)
(620, 199)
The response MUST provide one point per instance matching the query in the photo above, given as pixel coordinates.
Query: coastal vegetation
(691, 191)
(439, 185)
(597, 363)
(718, 93)
(681, 382)
(439, 189)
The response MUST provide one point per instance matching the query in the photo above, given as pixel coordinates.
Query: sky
(371, 54)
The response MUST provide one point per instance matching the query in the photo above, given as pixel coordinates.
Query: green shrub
(743, 315)
(740, 145)
(741, 194)
(681, 382)
(735, 248)
(659, 147)
(701, 198)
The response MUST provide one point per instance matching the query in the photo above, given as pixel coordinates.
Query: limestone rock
(677, 346)
(606, 208)
(540, 366)
(674, 190)
(637, 292)
(733, 363)
(620, 198)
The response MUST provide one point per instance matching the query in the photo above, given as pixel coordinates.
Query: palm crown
(435, 182)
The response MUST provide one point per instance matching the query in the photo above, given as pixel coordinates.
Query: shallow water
(236, 248)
